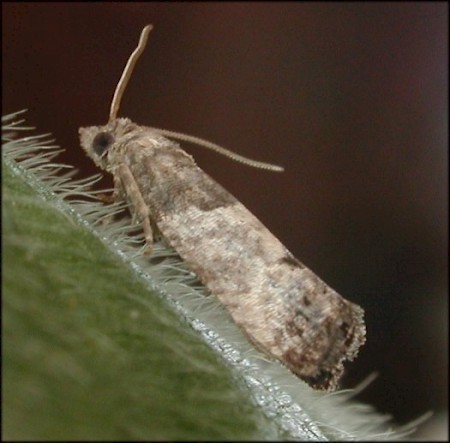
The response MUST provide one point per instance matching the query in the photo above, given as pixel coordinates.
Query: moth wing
(281, 305)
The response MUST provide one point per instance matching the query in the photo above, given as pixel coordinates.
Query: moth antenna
(126, 74)
(225, 152)
(118, 94)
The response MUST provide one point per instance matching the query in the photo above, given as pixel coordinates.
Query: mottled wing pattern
(282, 306)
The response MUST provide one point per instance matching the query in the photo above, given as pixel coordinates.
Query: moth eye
(102, 142)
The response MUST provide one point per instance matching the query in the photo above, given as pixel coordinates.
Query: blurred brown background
(350, 97)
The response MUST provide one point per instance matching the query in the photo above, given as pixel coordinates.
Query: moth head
(97, 141)
(100, 142)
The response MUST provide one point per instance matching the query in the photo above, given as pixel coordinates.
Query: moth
(283, 308)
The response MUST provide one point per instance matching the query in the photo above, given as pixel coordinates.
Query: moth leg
(140, 209)
(111, 198)
(106, 198)
(115, 195)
